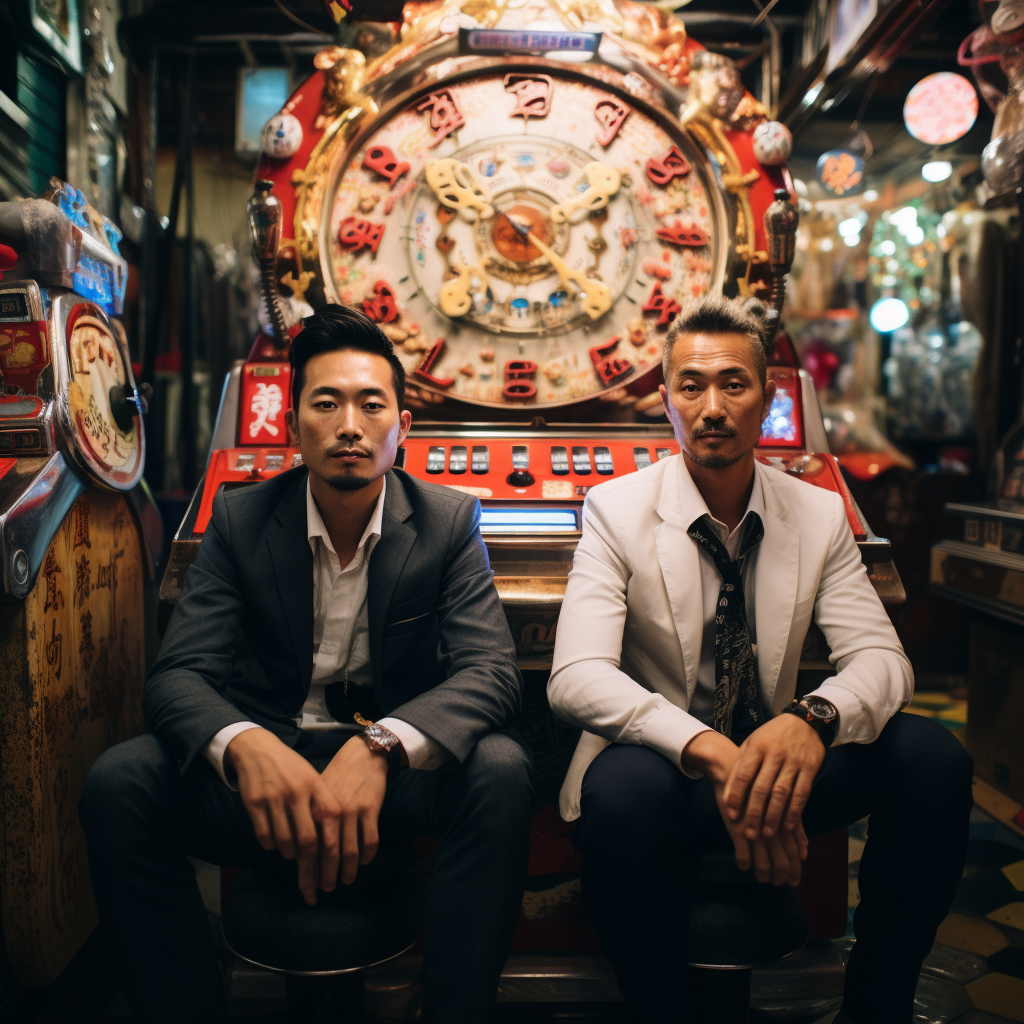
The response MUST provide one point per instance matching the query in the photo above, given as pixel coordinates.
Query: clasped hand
(761, 788)
(320, 821)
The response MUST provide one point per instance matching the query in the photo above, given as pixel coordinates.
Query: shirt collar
(315, 525)
(691, 497)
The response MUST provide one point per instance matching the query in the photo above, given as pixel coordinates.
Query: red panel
(23, 354)
(264, 397)
(256, 464)
(787, 382)
(821, 471)
(6, 465)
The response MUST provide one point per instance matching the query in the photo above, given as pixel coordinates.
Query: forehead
(711, 353)
(348, 369)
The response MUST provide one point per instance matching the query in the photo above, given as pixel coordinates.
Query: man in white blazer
(692, 590)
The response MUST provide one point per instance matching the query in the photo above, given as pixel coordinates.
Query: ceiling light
(852, 240)
(915, 236)
(888, 247)
(936, 170)
(850, 226)
(825, 245)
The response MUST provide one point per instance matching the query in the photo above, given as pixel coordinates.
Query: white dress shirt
(703, 702)
(341, 642)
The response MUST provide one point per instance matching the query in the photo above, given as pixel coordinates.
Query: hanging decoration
(941, 108)
(840, 171)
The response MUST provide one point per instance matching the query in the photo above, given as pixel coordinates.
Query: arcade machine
(78, 531)
(522, 199)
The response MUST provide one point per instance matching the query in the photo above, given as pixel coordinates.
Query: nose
(350, 425)
(714, 408)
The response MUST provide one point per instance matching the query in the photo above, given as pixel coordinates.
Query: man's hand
(291, 807)
(776, 859)
(771, 779)
(357, 777)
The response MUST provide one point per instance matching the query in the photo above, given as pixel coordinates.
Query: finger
(762, 861)
(760, 792)
(801, 840)
(742, 848)
(370, 838)
(262, 827)
(798, 801)
(349, 847)
(330, 844)
(307, 844)
(282, 826)
(792, 851)
(779, 859)
(743, 772)
(781, 793)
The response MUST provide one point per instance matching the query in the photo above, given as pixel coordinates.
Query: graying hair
(715, 314)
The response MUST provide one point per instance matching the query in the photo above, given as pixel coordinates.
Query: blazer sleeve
(183, 702)
(482, 689)
(587, 687)
(874, 678)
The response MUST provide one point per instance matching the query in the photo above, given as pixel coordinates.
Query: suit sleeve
(874, 679)
(587, 687)
(183, 702)
(482, 690)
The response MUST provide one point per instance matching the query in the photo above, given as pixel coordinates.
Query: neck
(345, 513)
(726, 490)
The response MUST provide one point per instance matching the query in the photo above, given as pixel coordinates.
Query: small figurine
(772, 143)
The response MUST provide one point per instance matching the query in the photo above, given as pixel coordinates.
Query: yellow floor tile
(1015, 873)
(855, 850)
(973, 934)
(999, 993)
(923, 712)
(1012, 914)
(933, 700)
(853, 897)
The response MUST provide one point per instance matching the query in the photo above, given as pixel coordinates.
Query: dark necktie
(736, 707)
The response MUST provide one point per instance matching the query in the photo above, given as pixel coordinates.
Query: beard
(715, 461)
(349, 482)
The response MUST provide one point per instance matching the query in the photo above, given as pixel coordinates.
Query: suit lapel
(775, 586)
(387, 561)
(292, 558)
(680, 564)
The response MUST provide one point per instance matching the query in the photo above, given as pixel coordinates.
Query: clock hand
(456, 298)
(596, 295)
(455, 186)
(602, 181)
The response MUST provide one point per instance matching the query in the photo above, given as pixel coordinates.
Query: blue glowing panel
(781, 423)
(528, 520)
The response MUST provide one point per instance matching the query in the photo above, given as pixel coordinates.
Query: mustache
(350, 449)
(699, 432)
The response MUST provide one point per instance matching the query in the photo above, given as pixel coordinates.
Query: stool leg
(332, 999)
(717, 996)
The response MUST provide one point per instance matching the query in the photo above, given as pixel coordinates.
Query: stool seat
(267, 922)
(737, 922)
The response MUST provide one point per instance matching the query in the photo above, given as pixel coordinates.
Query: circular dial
(523, 236)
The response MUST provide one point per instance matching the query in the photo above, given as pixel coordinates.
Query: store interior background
(916, 415)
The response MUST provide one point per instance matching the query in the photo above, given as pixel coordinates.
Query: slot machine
(521, 202)
(78, 534)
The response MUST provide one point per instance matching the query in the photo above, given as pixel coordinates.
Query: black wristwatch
(820, 714)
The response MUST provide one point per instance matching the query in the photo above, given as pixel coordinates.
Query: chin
(716, 460)
(349, 481)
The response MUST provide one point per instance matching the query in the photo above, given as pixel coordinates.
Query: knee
(932, 758)
(499, 774)
(627, 789)
(119, 777)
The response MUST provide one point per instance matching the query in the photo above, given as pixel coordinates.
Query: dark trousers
(143, 820)
(643, 820)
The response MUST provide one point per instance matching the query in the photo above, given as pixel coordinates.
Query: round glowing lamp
(888, 315)
(936, 170)
(850, 226)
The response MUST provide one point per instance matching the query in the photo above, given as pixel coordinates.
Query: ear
(292, 423)
(769, 397)
(404, 423)
(664, 399)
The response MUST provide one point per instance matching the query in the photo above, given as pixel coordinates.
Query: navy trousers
(143, 820)
(643, 820)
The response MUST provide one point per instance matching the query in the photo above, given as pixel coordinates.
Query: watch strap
(826, 730)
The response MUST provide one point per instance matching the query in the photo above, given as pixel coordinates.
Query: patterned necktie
(736, 706)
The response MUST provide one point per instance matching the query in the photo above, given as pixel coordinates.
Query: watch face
(820, 709)
(524, 236)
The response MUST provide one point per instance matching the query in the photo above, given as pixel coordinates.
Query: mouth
(350, 455)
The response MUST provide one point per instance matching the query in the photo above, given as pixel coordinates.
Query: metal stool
(736, 924)
(323, 949)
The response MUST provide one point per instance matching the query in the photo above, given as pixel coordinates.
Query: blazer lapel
(292, 558)
(775, 586)
(680, 564)
(387, 561)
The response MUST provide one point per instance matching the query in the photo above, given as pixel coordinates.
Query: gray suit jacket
(239, 646)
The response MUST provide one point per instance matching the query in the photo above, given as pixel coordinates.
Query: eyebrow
(327, 390)
(729, 371)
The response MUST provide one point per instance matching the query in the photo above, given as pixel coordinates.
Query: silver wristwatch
(380, 738)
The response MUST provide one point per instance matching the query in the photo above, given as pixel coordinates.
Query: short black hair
(333, 328)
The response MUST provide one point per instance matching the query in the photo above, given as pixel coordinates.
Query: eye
(324, 403)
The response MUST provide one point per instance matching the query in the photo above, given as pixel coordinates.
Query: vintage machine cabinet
(522, 211)
(78, 534)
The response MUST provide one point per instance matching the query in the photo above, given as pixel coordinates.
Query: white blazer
(629, 633)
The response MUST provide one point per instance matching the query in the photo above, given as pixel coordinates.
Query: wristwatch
(820, 714)
(380, 738)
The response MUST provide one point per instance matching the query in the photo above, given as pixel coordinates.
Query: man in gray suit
(340, 589)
